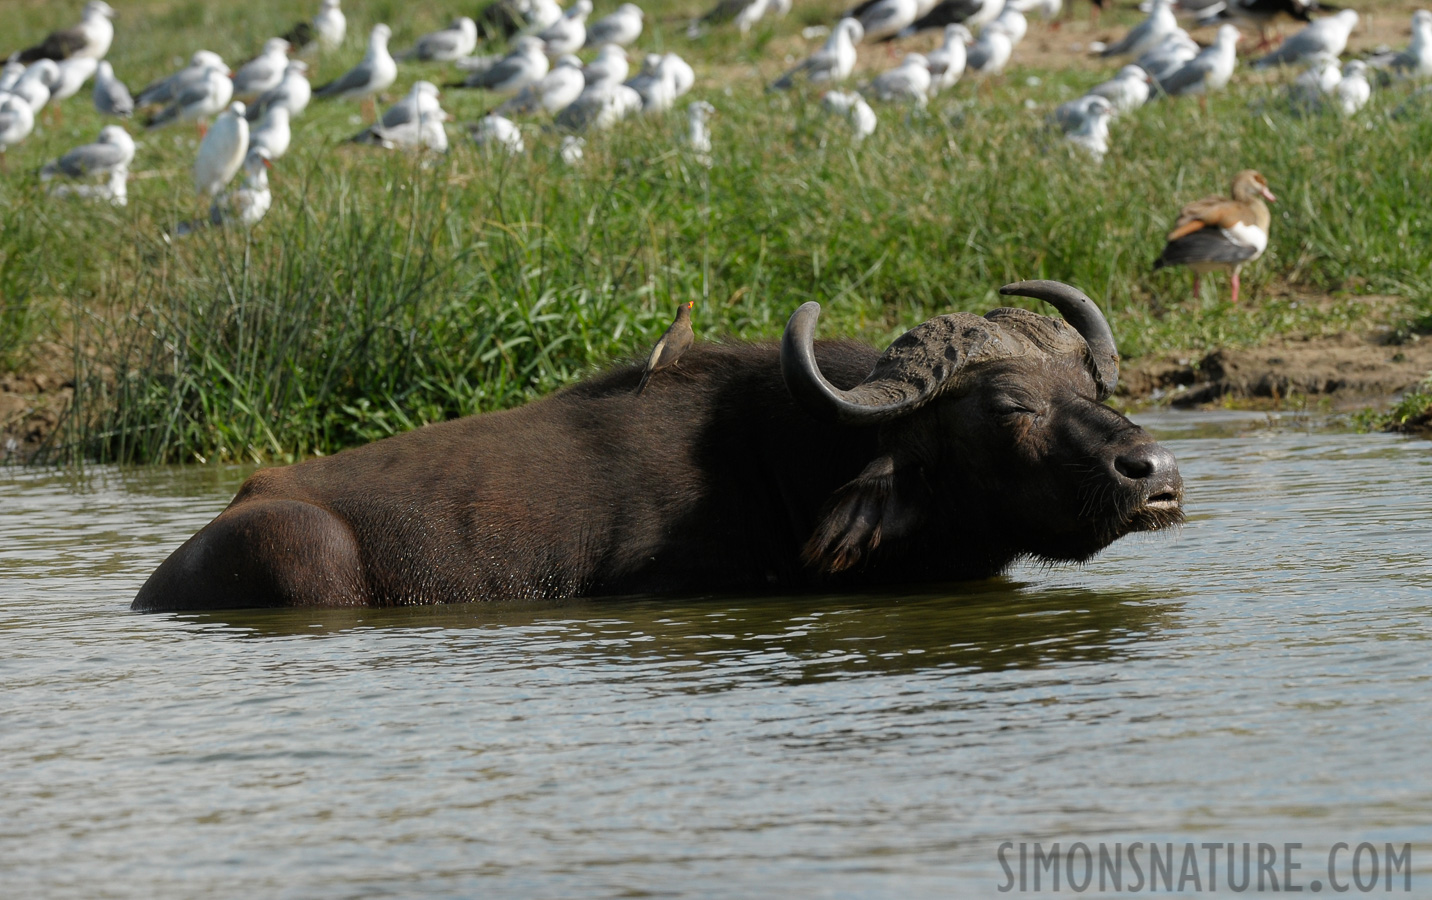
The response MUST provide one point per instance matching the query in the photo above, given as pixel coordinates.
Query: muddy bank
(1352, 370)
(34, 401)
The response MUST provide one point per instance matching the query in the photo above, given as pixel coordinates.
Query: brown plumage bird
(670, 346)
(1221, 232)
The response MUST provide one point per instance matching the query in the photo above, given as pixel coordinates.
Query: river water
(1261, 676)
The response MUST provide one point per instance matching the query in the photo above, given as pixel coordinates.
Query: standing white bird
(200, 100)
(493, 132)
(887, 18)
(1126, 91)
(1353, 91)
(1210, 70)
(111, 97)
(540, 14)
(34, 86)
(1014, 23)
(453, 42)
(526, 64)
(908, 82)
(990, 53)
(698, 133)
(1416, 60)
(832, 62)
(17, 120)
(91, 37)
(557, 89)
(610, 65)
(622, 27)
(1168, 56)
(1092, 135)
(414, 122)
(263, 72)
(947, 62)
(655, 83)
(112, 150)
(331, 25)
(681, 72)
(1147, 34)
(166, 89)
(569, 33)
(1323, 38)
(222, 151)
(292, 93)
(246, 205)
(272, 132)
(376, 72)
(853, 108)
(601, 105)
(74, 72)
(1309, 91)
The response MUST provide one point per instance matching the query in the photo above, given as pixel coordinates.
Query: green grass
(385, 291)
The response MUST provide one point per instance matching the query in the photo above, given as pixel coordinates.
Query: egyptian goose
(1221, 233)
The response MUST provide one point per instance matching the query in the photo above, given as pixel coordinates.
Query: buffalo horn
(913, 369)
(1081, 312)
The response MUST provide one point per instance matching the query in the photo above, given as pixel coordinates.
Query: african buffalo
(970, 443)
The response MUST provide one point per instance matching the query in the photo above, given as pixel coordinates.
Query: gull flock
(244, 115)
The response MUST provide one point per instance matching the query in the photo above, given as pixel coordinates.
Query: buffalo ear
(880, 504)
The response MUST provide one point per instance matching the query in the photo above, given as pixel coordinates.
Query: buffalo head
(992, 434)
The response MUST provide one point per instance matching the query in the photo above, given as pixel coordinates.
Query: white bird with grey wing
(1210, 70)
(887, 18)
(272, 132)
(263, 72)
(1416, 61)
(246, 205)
(331, 25)
(292, 93)
(1323, 38)
(1126, 91)
(494, 132)
(166, 89)
(16, 122)
(113, 149)
(74, 72)
(376, 72)
(569, 33)
(831, 63)
(558, 89)
(1147, 34)
(198, 101)
(1168, 56)
(451, 43)
(11, 74)
(601, 105)
(622, 27)
(34, 86)
(990, 52)
(111, 97)
(611, 64)
(947, 61)
(908, 82)
(655, 83)
(1092, 135)
(91, 37)
(1354, 90)
(526, 64)
(222, 151)
(415, 122)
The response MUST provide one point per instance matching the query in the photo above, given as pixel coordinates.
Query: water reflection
(989, 626)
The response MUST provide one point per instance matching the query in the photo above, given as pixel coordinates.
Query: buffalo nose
(1147, 461)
